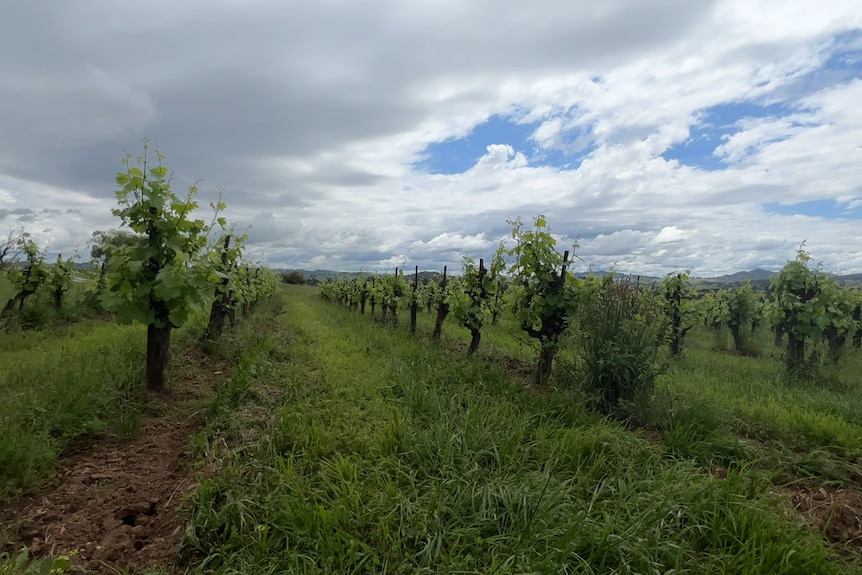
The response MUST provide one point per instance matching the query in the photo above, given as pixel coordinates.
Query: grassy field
(59, 385)
(63, 384)
(353, 448)
(723, 406)
(338, 445)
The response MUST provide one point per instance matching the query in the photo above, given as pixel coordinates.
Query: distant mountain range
(758, 277)
(752, 275)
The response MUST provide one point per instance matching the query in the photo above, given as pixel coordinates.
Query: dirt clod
(834, 512)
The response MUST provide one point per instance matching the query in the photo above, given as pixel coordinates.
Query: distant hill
(851, 278)
(752, 275)
(759, 278)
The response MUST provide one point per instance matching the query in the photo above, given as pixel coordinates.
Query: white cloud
(669, 235)
(312, 116)
(453, 242)
(501, 157)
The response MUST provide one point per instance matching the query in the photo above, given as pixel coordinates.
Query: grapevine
(155, 281)
(541, 303)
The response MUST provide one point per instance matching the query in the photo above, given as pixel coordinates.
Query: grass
(341, 446)
(788, 424)
(65, 384)
(56, 388)
(718, 406)
(378, 453)
(21, 564)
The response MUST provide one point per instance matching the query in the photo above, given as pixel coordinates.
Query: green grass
(21, 564)
(378, 453)
(64, 384)
(717, 406)
(811, 428)
(58, 387)
(347, 447)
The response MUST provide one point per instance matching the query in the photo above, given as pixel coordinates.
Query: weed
(620, 342)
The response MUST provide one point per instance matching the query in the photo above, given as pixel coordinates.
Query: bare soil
(834, 512)
(119, 503)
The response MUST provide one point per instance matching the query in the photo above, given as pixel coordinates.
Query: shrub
(620, 338)
(294, 278)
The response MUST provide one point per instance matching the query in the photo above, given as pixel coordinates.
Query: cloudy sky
(713, 135)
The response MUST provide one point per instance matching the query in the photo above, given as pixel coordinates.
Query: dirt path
(118, 503)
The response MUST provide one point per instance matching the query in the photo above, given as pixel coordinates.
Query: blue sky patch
(716, 122)
(842, 65)
(815, 208)
(456, 156)
(848, 56)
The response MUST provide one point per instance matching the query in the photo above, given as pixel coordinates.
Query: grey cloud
(224, 83)
(340, 176)
(247, 200)
(276, 102)
(766, 245)
(617, 243)
(264, 228)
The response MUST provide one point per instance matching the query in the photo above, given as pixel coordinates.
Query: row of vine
(530, 280)
(161, 268)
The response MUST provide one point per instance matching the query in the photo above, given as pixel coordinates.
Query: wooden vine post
(363, 295)
(394, 294)
(222, 303)
(372, 295)
(414, 302)
(384, 300)
(676, 320)
(442, 308)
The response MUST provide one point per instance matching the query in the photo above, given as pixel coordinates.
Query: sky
(659, 135)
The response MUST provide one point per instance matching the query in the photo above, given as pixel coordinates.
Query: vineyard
(77, 366)
(511, 416)
(619, 325)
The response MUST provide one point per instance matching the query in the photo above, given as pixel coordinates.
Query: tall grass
(716, 405)
(388, 457)
(65, 383)
(59, 387)
(754, 392)
(619, 338)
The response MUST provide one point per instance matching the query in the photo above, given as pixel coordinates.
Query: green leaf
(159, 171)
